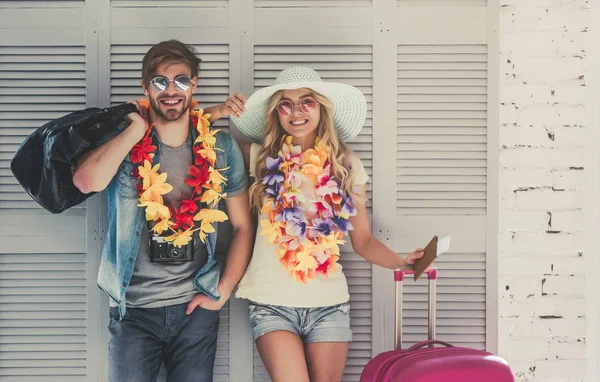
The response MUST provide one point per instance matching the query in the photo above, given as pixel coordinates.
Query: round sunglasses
(161, 83)
(286, 107)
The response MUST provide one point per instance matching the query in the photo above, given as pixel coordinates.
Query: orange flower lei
(205, 180)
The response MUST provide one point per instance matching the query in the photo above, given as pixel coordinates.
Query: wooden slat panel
(434, 3)
(221, 372)
(39, 83)
(43, 323)
(43, 287)
(442, 129)
(41, 3)
(173, 4)
(311, 3)
(460, 302)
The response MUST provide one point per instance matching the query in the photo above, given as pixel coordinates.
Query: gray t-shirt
(155, 284)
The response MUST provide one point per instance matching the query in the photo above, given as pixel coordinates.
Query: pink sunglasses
(286, 107)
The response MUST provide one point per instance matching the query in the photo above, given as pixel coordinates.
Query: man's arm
(240, 247)
(233, 105)
(238, 208)
(238, 253)
(242, 240)
(245, 148)
(96, 169)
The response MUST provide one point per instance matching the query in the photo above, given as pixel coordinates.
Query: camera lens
(175, 253)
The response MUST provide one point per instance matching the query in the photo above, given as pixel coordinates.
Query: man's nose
(171, 88)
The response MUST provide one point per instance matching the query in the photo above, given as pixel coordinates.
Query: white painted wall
(544, 125)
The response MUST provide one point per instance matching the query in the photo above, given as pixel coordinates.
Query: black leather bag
(43, 164)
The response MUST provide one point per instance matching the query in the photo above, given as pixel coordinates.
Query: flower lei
(306, 245)
(205, 180)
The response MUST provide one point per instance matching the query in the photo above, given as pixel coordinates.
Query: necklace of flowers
(307, 244)
(205, 180)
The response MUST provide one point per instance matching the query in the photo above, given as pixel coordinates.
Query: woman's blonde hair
(340, 153)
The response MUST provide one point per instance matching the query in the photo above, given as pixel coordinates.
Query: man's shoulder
(225, 141)
(223, 137)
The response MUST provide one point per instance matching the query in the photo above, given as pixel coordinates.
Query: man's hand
(206, 302)
(139, 120)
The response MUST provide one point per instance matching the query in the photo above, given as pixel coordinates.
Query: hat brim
(349, 108)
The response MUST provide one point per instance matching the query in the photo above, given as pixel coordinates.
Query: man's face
(173, 103)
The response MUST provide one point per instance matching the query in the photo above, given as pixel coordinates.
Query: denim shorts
(324, 324)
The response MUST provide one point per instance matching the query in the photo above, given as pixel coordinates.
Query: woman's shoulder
(253, 152)
(356, 168)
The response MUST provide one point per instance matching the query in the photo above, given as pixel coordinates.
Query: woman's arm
(372, 249)
(233, 105)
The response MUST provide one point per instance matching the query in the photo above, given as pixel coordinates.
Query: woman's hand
(416, 254)
(233, 105)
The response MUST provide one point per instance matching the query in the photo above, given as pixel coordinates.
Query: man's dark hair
(169, 51)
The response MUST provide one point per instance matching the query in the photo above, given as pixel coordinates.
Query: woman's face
(299, 114)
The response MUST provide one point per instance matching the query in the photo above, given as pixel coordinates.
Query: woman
(309, 191)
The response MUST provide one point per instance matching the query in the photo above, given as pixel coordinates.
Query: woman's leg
(277, 334)
(326, 360)
(327, 337)
(282, 353)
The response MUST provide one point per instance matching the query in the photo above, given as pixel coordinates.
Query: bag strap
(103, 121)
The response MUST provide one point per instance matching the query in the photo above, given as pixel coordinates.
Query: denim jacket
(126, 221)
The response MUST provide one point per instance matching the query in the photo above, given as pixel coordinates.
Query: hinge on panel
(384, 235)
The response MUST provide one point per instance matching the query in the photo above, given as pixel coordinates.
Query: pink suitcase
(424, 362)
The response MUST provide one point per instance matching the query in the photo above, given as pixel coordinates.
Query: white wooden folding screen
(428, 71)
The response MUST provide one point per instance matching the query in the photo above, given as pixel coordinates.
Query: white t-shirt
(266, 281)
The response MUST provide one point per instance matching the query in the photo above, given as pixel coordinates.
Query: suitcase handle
(429, 343)
(432, 275)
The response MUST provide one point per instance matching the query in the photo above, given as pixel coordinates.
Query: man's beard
(172, 115)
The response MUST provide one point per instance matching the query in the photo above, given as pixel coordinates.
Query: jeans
(145, 337)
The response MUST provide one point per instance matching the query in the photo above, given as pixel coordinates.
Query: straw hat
(349, 104)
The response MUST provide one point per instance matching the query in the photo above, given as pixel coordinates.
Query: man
(165, 299)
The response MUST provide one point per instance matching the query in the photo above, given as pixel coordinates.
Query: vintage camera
(164, 252)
